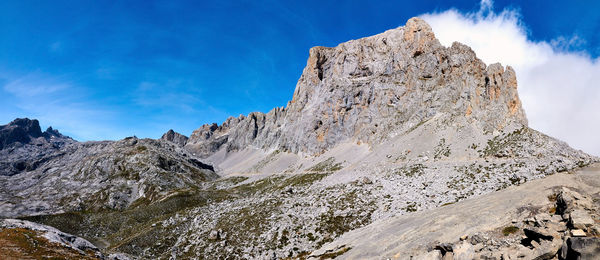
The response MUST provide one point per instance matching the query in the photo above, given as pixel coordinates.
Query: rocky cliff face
(374, 88)
(24, 147)
(175, 138)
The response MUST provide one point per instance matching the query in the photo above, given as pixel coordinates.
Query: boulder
(580, 219)
(546, 249)
(583, 248)
(464, 251)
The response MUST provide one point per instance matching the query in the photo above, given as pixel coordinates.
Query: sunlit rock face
(374, 88)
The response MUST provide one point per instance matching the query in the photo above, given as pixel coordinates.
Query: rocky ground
(552, 218)
(27, 240)
(63, 175)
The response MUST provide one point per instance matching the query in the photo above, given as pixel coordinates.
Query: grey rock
(98, 175)
(175, 137)
(53, 235)
(371, 89)
(546, 250)
(214, 235)
(24, 147)
(583, 248)
(464, 251)
(580, 219)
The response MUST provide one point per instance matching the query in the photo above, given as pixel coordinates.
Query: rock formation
(21, 239)
(23, 146)
(374, 88)
(175, 138)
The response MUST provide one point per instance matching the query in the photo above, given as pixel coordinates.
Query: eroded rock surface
(60, 174)
(373, 88)
(175, 138)
(21, 239)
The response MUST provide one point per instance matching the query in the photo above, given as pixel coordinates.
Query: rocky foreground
(553, 218)
(383, 129)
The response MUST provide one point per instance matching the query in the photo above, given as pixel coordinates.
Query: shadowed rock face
(371, 89)
(175, 138)
(20, 130)
(23, 146)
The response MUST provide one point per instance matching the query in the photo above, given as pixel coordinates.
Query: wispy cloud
(57, 102)
(34, 84)
(559, 88)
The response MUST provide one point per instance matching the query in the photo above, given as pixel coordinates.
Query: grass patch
(509, 230)
(328, 165)
(21, 243)
(334, 254)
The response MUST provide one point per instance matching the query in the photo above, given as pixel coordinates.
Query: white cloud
(560, 90)
(34, 84)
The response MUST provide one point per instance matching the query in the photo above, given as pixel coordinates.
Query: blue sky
(110, 69)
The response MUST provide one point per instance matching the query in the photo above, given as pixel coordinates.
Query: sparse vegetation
(509, 230)
(441, 150)
(504, 145)
(411, 170)
(410, 207)
(328, 165)
(21, 243)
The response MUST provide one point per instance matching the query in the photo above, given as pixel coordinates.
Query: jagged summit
(175, 138)
(24, 130)
(374, 88)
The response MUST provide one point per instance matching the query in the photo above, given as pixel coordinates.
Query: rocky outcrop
(371, 89)
(20, 130)
(23, 131)
(175, 138)
(20, 239)
(24, 147)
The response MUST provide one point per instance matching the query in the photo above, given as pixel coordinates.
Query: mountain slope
(65, 175)
(530, 210)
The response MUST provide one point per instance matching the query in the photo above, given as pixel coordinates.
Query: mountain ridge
(337, 86)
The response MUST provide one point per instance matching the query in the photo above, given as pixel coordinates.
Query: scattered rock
(578, 233)
(214, 235)
(464, 251)
(366, 180)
